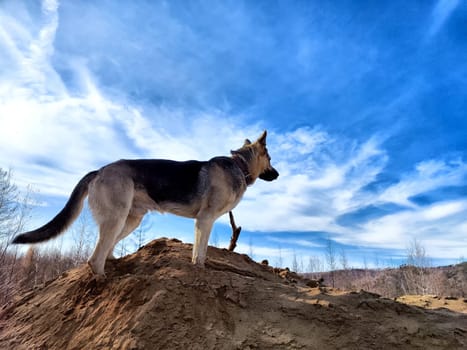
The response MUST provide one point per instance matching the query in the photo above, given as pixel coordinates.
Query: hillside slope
(156, 299)
(448, 281)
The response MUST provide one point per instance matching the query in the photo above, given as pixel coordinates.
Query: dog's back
(166, 180)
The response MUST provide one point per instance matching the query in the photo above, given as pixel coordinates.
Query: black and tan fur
(121, 193)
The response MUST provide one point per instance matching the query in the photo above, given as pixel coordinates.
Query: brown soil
(156, 299)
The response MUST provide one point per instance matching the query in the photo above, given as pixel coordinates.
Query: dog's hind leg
(105, 243)
(203, 228)
(131, 223)
(110, 200)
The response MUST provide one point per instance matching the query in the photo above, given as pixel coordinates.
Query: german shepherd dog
(121, 193)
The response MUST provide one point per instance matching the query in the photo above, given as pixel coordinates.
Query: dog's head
(258, 158)
(266, 170)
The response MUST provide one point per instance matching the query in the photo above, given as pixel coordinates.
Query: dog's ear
(246, 143)
(262, 138)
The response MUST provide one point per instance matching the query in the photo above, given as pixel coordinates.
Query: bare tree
(250, 248)
(83, 236)
(14, 207)
(214, 239)
(140, 232)
(301, 266)
(343, 259)
(315, 264)
(14, 212)
(416, 254)
(415, 274)
(365, 263)
(294, 262)
(377, 262)
(8, 203)
(331, 259)
(279, 261)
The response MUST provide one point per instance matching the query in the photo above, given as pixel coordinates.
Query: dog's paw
(98, 275)
(198, 262)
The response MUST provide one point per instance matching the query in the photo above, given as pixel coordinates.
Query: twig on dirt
(235, 232)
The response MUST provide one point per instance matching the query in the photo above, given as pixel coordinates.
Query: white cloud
(182, 135)
(260, 251)
(52, 136)
(443, 210)
(428, 175)
(439, 222)
(49, 133)
(300, 202)
(300, 242)
(301, 141)
(440, 226)
(313, 188)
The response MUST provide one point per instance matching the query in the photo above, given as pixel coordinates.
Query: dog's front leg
(203, 228)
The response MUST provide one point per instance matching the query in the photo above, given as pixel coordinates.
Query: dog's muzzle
(269, 174)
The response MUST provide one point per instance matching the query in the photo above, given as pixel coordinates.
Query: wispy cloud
(441, 227)
(315, 186)
(427, 175)
(441, 12)
(293, 241)
(49, 132)
(298, 202)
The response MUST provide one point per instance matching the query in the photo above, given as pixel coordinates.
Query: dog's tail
(63, 219)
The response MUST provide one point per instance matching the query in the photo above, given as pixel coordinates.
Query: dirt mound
(156, 299)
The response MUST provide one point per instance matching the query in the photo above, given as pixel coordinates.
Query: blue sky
(365, 104)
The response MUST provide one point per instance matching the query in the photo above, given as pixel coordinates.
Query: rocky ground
(156, 299)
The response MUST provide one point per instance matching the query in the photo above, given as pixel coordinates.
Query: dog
(121, 193)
